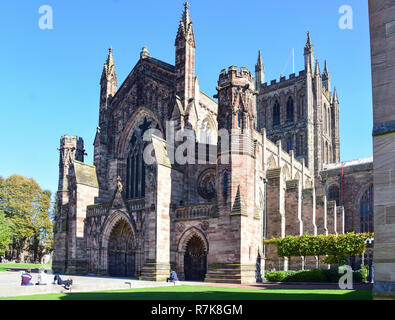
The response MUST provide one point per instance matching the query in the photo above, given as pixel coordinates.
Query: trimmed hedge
(336, 248)
(315, 275)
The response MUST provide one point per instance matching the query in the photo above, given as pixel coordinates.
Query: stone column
(331, 218)
(275, 215)
(157, 261)
(321, 217)
(293, 223)
(340, 220)
(320, 211)
(308, 219)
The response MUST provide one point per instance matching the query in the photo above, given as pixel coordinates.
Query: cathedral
(186, 182)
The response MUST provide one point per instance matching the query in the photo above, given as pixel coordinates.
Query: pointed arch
(276, 113)
(271, 163)
(127, 133)
(112, 222)
(290, 110)
(207, 130)
(187, 235)
(286, 172)
(308, 184)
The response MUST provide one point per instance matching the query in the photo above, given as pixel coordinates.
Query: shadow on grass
(209, 293)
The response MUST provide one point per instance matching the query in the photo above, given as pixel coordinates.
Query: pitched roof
(85, 174)
(347, 163)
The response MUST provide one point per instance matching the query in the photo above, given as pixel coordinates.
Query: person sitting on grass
(173, 277)
(42, 278)
(26, 278)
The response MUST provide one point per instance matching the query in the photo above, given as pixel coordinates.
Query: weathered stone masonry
(126, 217)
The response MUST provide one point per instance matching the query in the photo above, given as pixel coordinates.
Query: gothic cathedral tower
(235, 166)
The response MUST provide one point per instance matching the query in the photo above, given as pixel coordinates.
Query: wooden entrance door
(121, 253)
(195, 260)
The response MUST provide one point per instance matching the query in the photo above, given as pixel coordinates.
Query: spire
(325, 68)
(317, 68)
(259, 71)
(259, 62)
(185, 29)
(108, 85)
(186, 18)
(325, 75)
(335, 97)
(109, 65)
(308, 42)
(110, 58)
(308, 54)
(326, 78)
(185, 58)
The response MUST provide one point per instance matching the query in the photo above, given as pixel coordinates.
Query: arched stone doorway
(195, 260)
(121, 250)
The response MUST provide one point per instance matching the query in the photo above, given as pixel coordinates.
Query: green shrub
(331, 275)
(279, 276)
(315, 275)
(358, 276)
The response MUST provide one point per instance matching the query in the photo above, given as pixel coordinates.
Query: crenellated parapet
(71, 148)
(236, 99)
(234, 77)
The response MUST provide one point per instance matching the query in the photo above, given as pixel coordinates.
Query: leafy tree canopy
(27, 209)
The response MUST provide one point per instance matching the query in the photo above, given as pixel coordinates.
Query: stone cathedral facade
(277, 172)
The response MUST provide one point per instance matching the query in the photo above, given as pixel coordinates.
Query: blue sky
(50, 78)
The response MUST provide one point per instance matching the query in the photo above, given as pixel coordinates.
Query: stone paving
(10, 284)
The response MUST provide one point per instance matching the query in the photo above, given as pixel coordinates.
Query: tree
(5, 228)
(336, 247)
(27, 209)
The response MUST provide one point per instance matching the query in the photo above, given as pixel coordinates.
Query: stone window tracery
(334, 194)
(366, 211)
(136, 167)
(290, 110)
(276, 113)
(205, 132)
(289, 144)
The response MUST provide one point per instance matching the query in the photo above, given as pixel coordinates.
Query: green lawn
(186, 292)
(24, 265)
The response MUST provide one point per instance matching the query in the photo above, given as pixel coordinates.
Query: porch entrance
(121, 251)
(195, 260)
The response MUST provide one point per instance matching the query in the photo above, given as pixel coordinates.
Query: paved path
(10, 284)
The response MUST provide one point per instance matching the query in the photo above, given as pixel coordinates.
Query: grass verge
(187, 292)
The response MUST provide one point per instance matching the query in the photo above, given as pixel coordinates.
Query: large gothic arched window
(276, 113)
(334, 194)
(366, 211)
(205, 132)
(290, 110)
(300, 149)
(301, 107)
(136, 167)
(289, 144)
